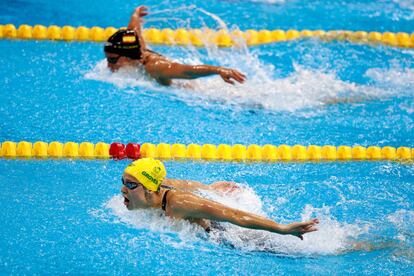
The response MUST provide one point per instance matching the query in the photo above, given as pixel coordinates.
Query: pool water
(67, 216)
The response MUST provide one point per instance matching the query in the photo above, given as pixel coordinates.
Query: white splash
(403, 221)
(125, 77)
(149, 219)
(407, 11)
(304, 88)
(333, 237)
(394, 78)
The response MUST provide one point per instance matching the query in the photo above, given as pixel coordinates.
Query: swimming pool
(66, 216)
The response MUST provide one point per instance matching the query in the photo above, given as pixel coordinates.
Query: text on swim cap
(150, 178)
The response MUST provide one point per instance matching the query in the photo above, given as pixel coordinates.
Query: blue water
(66, 216)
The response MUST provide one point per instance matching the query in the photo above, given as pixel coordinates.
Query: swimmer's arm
(166, 70)
(190, 206)
(135, 23)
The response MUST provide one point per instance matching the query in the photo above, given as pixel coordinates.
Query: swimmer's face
(116, 61)
(133, 198)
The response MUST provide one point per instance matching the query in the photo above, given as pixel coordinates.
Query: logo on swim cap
(157, 170)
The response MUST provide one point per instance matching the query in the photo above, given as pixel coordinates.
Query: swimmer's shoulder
(185, 185)
(152, 56)
(176, 202)
(155, 64)
(176, 183)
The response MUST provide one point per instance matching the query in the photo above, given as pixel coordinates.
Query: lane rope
(222, 152)
(203, 37)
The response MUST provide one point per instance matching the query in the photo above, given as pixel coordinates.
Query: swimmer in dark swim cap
(127, 48)
(144, 186)
(123, 43)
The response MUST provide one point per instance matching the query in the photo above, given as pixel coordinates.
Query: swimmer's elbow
(241, 220)
(233, 216)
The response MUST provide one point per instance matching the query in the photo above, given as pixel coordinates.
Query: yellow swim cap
(148, 171)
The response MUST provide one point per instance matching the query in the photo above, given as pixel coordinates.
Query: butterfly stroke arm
(190, 206)
(136, 22)
(163, 69)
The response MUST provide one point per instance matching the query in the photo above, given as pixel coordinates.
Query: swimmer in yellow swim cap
(145, 186)
(127, 48)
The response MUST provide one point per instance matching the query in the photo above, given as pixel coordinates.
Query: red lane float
(117, 151)
(133, 151)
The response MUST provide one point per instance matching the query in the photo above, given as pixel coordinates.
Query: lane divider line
(222, 152)
(203, 37)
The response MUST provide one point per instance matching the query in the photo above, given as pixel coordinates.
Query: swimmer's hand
(224, 186)
(141, 11)
(227, 74)
(299, 228)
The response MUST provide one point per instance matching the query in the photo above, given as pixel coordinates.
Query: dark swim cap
(125, 43)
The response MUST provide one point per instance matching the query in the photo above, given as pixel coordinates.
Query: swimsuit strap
(164, 200)
(167, 187)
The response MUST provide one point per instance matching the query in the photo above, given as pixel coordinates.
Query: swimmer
(145, 186)
(127, 47)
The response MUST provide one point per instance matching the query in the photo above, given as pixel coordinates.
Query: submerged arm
(190, 206)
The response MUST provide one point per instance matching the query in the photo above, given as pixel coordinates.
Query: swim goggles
(112, 60)
(129, 185)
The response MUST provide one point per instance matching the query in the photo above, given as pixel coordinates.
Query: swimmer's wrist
(283, 229)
